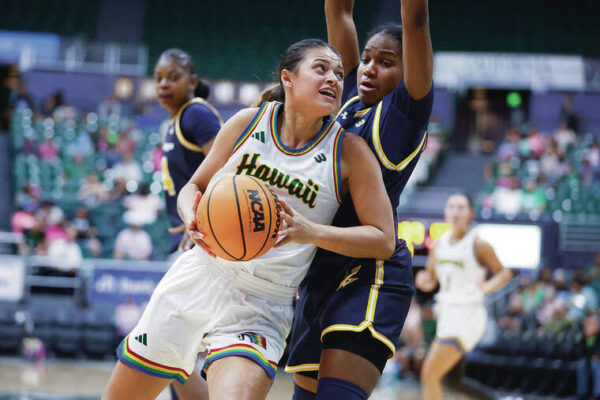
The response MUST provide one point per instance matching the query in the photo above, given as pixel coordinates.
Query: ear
(194, 81)
(287, 78)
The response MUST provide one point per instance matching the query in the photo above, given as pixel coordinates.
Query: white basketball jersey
(308, 179)
(457, 270)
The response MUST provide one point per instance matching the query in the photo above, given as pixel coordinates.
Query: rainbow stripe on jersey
(241, 350)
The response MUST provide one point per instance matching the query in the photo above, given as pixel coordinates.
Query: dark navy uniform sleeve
(349, 85)
(199, 124)
(401, 128)
(418, 111)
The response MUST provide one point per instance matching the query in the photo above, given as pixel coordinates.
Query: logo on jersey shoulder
(360, 123)
(305, 191)
(168, 146)
(253, 338)
(350, 277)
(256, 206)
(260, 136)
(320, 158)
(345, 115)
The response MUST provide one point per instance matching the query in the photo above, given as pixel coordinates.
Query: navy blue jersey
(396, 131)
(196, 123)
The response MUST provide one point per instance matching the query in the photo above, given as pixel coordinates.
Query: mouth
(328, 93)
(165, 96)
(366, 86)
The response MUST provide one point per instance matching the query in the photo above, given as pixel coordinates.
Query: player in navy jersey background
(350, 312)
(193, 126)
(192, 129)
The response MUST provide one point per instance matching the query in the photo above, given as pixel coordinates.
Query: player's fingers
(197, 200)
(286, 207)
(282, 242)
(289, 220)
(177, 229)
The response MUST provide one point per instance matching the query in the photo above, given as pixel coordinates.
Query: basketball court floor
(85, 380)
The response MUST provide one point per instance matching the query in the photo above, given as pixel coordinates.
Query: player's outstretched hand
(296, 229)
(424, 281)
(192, 228)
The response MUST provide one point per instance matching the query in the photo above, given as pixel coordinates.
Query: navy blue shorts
(366, 296)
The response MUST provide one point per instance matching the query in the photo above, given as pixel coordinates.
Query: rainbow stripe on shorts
(241, 350)
(142, 364)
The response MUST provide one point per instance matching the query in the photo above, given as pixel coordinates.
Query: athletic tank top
(308, 179)
(457, 270)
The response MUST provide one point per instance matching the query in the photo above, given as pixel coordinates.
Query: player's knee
(335, 389)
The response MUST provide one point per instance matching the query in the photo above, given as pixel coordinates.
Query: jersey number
(167, 181)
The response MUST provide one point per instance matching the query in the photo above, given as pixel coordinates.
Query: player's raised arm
(417, 52)
(341, 31)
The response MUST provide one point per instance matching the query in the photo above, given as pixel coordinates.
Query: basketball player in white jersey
(458, 263)
(242, 311)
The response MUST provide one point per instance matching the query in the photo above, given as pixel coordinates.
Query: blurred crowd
(87, 184)
(535, 172)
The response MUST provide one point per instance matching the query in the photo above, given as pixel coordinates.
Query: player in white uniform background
(242, 312)
(458, 263)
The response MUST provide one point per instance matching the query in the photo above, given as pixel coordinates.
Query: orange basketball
(239, 217)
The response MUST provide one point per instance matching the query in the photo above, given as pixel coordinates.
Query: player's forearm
(358, 241)
(338, 8)
(414, 14)
(497, 281)
(185, 202)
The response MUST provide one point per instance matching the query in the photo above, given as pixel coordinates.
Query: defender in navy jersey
(193, 126)
(350, 312)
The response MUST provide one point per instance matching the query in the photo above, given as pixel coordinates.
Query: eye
(320, 67)
(340, 75)
(386, 63)
(364, 60)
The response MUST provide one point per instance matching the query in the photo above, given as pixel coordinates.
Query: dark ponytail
(290, 60)
(202, 89)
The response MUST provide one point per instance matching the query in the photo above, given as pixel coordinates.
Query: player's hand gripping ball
(239, 218)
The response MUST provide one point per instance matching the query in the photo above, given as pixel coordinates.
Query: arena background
(515, 125)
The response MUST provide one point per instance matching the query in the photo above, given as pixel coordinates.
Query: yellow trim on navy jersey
(184, 142)
(379, 149)
(251, 126)
(337, 164)
(369, 314)
(301, 368)
(346, 104)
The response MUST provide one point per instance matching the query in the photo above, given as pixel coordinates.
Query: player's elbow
(387, 246)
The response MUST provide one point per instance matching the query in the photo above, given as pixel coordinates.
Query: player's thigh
(127, 383)
(440, 359)
(342, 364)
(194, 388)
(237, 378)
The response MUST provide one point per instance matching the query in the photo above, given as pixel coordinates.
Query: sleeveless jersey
(309, 179)
(182, 151)
(458, 271)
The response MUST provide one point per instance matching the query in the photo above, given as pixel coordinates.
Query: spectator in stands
(411, 355)
(49, 214)
(65, 252)
(22, 222)
(93, 192)
(507, 200)
(51, 103)
(558, 321)
(29, 147)
(142, 207)
(126, 316)
(128, 169)
(110, 106)
(47, 150)
(565, 137)
(133, 243)
(75, 169)
(21, 98)
(513, 319)
(583, 300)
(125, 144)
(567, 113)
(156, 157)
(593, 274)
(533, 198)
(82, 146)
(592, 154)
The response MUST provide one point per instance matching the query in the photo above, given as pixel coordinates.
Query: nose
(369, 69)
(331, 77)
(162, 82)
